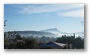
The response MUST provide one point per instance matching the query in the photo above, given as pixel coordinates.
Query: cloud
(49, 8)
(66, 10)
(74, 13)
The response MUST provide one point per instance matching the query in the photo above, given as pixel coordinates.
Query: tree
(31, 43)
(79, 42)
(5, 22)
(18, 37)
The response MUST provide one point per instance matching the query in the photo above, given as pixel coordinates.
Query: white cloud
(74, 13)
(49, 8)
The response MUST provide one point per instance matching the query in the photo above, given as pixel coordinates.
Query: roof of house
(60, 44)
(20, 41)
(53, 44)
(13, 36)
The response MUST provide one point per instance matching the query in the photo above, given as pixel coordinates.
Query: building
(53, 45)
(12, 38)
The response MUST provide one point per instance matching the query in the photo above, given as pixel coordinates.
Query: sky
(25, 17)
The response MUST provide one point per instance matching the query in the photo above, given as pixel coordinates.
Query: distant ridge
(51, 30)
(34, 33)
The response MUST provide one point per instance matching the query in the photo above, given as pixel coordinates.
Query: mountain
(34, 33)
(52, 30)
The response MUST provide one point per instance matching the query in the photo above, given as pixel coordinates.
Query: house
(53, 45)
(20, 41)
(12, 38)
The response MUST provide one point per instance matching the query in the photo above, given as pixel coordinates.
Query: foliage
(33, 42)
(76, 42)
(18, 37)
(21, 43)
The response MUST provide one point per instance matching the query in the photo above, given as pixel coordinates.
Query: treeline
(34, 42)
(77, 42)
(21, 44)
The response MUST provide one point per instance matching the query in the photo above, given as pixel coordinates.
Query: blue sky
(65, 17)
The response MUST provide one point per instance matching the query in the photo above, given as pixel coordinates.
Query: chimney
(66, 45)
(70, 46)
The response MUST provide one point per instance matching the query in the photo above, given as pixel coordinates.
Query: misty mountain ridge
(59, 34)
(52, 30)
(34, 33)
